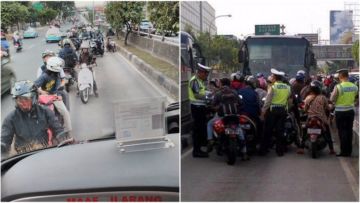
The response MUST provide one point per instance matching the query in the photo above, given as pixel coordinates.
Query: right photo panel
(269, 100)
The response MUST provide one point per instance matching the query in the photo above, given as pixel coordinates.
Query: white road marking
(349, 176)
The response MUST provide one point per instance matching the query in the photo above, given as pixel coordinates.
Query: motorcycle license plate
(230, 131)
(245, 126)
(314, 131)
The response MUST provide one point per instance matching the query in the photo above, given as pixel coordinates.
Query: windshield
(285, 54)
(53, 31)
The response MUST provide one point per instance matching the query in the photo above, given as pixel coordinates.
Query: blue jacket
(250, 98)
(4, 44)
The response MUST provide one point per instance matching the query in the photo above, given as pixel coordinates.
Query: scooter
(314, 139)
(18, 46)
(111, 46)
(48, 101)
(250, 131)
(85, 82)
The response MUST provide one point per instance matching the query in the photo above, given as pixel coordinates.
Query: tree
(165, 15)
(13, 13)
(355, 52)
(47, 15)
(63, 8)
(119, 14)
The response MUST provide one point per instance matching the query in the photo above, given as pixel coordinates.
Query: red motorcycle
(315, 138)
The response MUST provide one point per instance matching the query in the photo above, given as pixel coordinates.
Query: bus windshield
(285, 54)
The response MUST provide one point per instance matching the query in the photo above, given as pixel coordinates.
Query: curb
(169, 85)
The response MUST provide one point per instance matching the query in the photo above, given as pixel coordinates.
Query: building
(200, 15)
(230, 37)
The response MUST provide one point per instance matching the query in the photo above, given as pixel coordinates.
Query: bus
(289, 54)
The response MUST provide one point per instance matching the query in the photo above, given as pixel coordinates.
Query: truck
(258, 54)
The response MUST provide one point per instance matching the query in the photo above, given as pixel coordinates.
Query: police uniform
(276, 106)
(197, 93)
(344, 95)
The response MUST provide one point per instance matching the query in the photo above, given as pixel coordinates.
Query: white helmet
(55, 64)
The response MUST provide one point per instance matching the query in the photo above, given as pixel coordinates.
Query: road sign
(38, 6)
(267, 29)
(333, 52)
(312, 37)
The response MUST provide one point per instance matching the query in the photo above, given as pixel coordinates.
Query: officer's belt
(277, 106)
(198, 103)
(344, 108)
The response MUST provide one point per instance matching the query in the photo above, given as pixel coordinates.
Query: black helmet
(316, 86)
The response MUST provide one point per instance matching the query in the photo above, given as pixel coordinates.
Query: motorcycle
(111, 46)
(250, 131)
(48, 101)
(70, 78)
(227, 133)
(85, 82)
(315, 138)
(18, 46)
(97, 47)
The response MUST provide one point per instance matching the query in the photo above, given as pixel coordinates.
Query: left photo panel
(90, 101)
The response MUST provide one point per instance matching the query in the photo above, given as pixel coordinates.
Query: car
(53, 35)
(146, 25)
(30, 33)
(8, 77)
(101, 169)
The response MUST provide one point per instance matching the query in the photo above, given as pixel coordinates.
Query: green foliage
(47, 15)
(189, 29)
(220, 52)
(125, 13)
(13, 13)
(355, 51)
(164, 15)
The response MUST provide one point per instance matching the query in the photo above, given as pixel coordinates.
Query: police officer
(275, 111)
(197, 96)
(344, 95)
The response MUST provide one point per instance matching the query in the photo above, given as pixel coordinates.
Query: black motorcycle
(97, 47)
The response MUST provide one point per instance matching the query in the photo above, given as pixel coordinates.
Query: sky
(299, 16)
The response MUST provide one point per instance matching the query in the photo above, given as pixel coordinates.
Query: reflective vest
(281, 94)
(347, 92)
(192, 98)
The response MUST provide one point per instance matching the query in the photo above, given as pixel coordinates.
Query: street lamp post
(213, 21)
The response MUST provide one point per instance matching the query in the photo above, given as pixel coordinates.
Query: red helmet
(219, 126)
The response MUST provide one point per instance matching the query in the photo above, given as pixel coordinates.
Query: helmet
(300, 72)
(300, 76)
(316, 85)
(250, 80)
(66, 42)
(352, 79)
(259, 75)
(84, 46)
(24, 88)
(55, 64)
(47, 53)
(237, 76)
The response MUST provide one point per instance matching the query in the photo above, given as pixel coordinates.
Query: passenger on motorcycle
(69, 56)
(213, 87)
(316, 104)
(45, 56)
(27, 125)
(50, 83)
(4, 43)
(237, 81)
(262, 81)
(226, 96)
(89, 59)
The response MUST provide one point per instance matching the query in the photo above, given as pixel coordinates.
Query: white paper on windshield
(140, 119)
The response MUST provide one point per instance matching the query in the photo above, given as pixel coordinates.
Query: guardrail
(174, 41)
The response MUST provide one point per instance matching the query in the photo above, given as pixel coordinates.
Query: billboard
(341, 27)
(313, 38)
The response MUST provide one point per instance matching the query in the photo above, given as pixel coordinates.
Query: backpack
(69, 59)
(229, 103)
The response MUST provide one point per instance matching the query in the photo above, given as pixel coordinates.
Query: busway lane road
(116, 78)
(292, 177)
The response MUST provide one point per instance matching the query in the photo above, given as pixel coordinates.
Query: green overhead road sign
(267, 29)
(38, 6)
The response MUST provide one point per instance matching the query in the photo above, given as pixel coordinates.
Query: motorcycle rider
(197, 96)
(298, 84)
(4, 44)
(262, 81)
(17, 38)
(316, 104)
(89, 59)
(226, 96)
(50, 83)
(69, 56)
(274, 112)
(237, 81)
(45, 56)
(27, 125)
(110, 33)
(345, 95)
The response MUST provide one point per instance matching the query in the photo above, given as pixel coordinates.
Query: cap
(276, 72)
(205, 68)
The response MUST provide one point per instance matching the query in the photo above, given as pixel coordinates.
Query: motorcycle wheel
(84, 95)
(314, 150)
(231, 152)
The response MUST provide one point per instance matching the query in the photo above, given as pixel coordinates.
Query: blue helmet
(259, 75)
(300, 76)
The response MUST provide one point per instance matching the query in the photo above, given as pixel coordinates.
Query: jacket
(28, 128)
